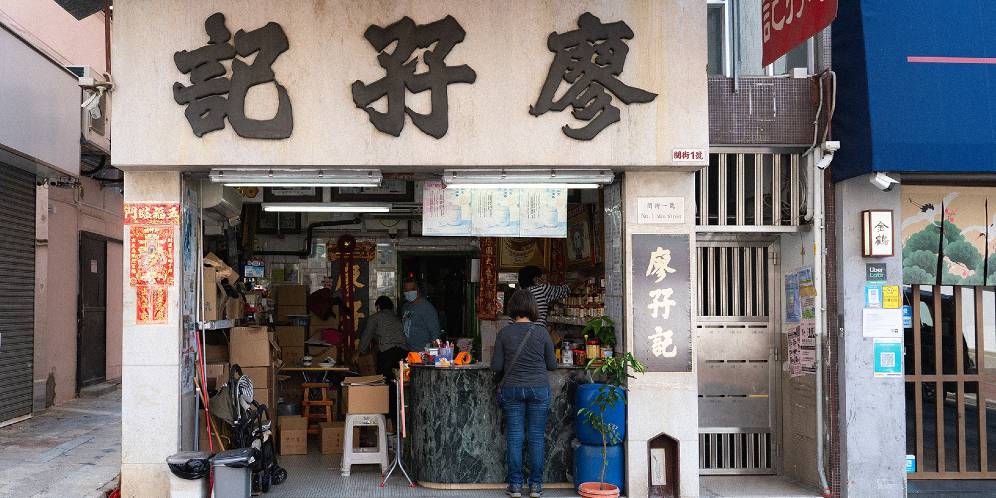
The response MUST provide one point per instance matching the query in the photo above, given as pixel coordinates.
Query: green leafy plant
(602, 328)
(615, 370)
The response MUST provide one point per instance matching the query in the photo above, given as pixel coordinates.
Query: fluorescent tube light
(528, 178)
(326, 207)
(296, 177)
(522, 185)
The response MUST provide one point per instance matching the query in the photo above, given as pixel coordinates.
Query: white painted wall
(489, 121)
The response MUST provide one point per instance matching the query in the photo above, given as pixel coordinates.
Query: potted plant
(602, 328)
(602, 413)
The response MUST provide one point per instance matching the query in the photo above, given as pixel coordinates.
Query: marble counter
(457, 430)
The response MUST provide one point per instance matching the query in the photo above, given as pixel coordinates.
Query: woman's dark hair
(384, 303)
(528, 276)
(522, 304)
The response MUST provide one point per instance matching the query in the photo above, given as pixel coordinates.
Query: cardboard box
(285, 312)
(217, 374)
(292, 356)
(332, 437)
(293, 435)
(249, 347)
(367, 399)
(266, 397)
(290, 336)
(234, 308)
(216, 353)
(317, 323)
(262, 377)
(292, 295)
(212, 302)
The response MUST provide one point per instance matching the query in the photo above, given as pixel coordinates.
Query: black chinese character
(589, 59)
(400, 68)
(207, 108)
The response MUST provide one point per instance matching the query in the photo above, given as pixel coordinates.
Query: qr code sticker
(888, 360)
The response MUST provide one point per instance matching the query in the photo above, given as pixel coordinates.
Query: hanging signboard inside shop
(786, 25)
(661, 295)
(457, 212)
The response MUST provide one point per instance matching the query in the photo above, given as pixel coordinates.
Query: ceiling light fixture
(326, 207)
(296, 177)
(528, 179)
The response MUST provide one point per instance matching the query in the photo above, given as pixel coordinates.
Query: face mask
(411, 295)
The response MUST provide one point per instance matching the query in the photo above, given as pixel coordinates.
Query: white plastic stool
(352, 456)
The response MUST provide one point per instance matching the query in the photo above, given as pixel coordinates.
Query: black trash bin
(190, 474)
(233, 473)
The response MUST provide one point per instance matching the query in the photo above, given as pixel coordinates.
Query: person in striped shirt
(532, 279)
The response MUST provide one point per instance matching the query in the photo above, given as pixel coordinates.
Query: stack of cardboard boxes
(291, 300)
(218, 303)
(256, 352)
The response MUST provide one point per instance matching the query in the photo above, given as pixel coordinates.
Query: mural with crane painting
(948, 235)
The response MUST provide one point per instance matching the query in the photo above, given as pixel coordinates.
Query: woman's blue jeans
(525, 418)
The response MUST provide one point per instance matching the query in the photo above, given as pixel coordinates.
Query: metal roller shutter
(17, 291)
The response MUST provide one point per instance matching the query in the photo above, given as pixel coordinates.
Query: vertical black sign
(662, 325)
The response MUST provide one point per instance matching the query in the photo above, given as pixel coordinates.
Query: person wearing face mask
(419, 317)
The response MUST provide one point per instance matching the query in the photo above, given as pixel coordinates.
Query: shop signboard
(424, 85)
(662, 334)
(785, 24)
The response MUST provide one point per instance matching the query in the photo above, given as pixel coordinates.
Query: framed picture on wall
(580, 243)
(388, 191)
(293, 194)
(278, 223)
(515, 253)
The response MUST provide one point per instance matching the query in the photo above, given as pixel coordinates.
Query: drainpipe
(819, 269)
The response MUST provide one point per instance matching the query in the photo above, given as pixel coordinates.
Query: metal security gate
(17, 292)
(950, 369)
(736, 352)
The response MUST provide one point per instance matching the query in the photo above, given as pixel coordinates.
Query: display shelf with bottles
(586, 301)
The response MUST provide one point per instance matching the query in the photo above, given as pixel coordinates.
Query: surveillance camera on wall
(883, 181)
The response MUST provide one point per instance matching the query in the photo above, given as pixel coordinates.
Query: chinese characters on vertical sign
(589, 59)
(661, 293)
(400, 68)
(207, 105)
(877, 233)
(151, 237)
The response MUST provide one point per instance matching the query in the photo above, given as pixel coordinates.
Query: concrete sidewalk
(70, 450)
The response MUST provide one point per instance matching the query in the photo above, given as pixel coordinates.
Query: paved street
(71, 450)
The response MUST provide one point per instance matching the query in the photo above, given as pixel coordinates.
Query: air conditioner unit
(220, 203)
(95, 117)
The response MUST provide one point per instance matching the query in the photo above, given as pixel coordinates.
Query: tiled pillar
(660, 402)
(150, 398)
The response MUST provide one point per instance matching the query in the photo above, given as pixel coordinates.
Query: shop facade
(328, 93)
(929, 186)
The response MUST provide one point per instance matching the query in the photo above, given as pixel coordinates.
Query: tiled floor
(317, 475)
(70, 450)
(752, 486)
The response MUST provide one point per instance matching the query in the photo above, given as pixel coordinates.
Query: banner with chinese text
(493, 212)
(662, 333)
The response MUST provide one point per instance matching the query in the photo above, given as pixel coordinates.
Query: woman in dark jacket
(525, 389)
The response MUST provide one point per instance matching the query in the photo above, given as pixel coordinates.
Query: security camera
(831, 146)
(883, 181)
(92, 102)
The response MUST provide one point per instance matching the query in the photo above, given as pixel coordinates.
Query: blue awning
(916, 87)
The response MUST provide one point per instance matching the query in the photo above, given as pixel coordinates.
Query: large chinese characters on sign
(787, 23)
(662, 334)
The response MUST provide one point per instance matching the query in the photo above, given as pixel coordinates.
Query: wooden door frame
(79, 299)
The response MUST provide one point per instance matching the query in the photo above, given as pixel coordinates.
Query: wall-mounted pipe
(310, 234)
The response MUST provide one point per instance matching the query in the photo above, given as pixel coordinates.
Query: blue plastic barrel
(588, 464)
(615, 414)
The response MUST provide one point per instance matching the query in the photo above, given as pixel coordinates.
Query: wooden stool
(323, 405)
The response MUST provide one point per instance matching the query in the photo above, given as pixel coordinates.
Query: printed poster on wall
(151, 231)
(543, 213)
(793, 305)
(661, 297)
(455, 212)
(496, 212)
